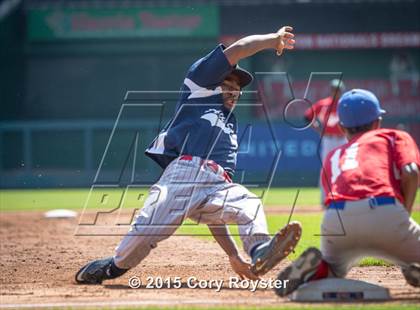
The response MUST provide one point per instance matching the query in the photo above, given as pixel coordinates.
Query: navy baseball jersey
(201, 126)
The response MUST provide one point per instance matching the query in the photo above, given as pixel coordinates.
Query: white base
(60, 213)
(340, 290)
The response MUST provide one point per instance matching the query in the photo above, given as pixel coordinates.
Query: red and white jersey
(325, 111)
(369, 165)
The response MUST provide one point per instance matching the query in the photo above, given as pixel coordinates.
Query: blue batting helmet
(358, 107)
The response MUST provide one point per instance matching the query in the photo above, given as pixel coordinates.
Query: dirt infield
(39, 258)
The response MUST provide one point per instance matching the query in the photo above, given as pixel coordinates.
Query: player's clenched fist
(248, 46)
(285, 39)
(242, 268)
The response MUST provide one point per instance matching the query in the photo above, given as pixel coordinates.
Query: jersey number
(350, 161)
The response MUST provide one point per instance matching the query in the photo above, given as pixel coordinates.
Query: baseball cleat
(412, 274)
(269, 254)
(300, 271)
(96, 271)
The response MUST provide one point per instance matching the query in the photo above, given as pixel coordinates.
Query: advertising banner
(366, 40)
(280, 147)
(99, 23)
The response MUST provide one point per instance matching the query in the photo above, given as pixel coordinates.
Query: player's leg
(340, 241)
(412, 274)
(411, 266)
(402, 246)
(234, 204)
(308, 267)
(265, 256)
(155, 222)
(313, 265)
(337, 256)
(387, 232)
(367, 235)
(160, 217)
(164, 210)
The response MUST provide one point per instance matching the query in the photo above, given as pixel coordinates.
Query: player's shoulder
(216, 54)
(390, 134)
(209, 71)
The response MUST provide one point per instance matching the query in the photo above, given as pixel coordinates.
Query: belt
(373, 202)
(211, 164)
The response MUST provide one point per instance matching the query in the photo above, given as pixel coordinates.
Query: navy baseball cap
(244, 76)
(358, 107)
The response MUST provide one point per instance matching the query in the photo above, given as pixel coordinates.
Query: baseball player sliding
(370, 183)
(198, 151)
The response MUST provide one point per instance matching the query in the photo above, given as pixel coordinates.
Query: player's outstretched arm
(225, 240)
(409, 184)
(248, 46)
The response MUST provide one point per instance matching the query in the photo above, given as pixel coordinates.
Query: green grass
(308, 196)
(47, 199)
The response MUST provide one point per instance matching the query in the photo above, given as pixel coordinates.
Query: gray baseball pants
(385, 231)
(195, 189)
